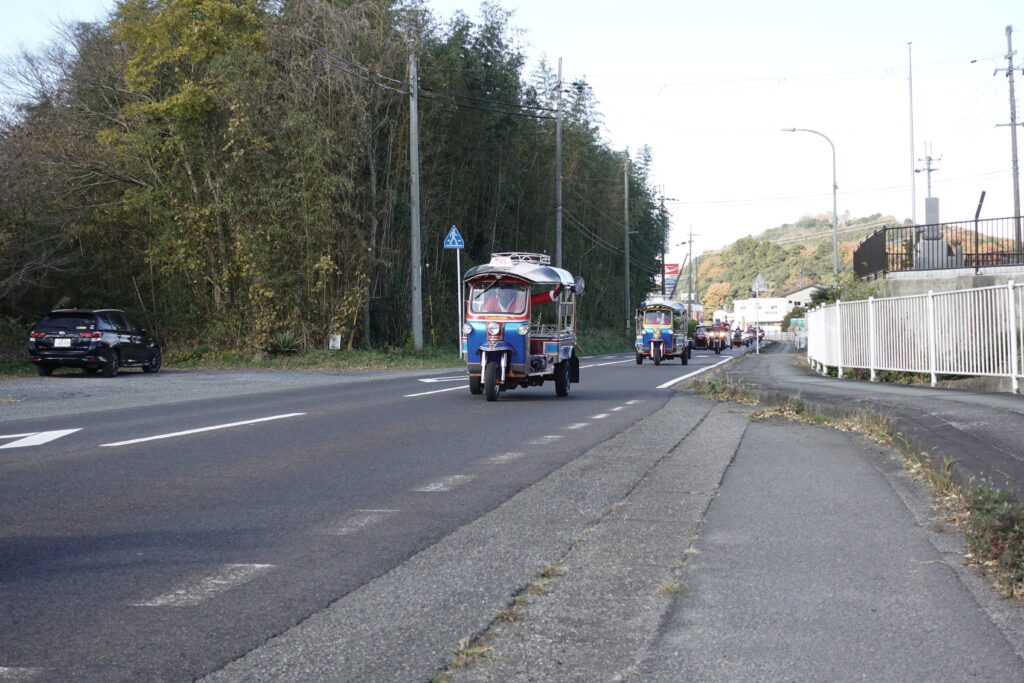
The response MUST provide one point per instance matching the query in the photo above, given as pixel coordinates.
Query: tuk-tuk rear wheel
(491, 374)
(639, 359)
(475, 386)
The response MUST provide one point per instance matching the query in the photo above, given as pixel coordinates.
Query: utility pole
(913, 171)
(414, 204)
(689, 295)
(1013, 138)
(663, 240)
(664, 237)
(625, 229)
(558, 170)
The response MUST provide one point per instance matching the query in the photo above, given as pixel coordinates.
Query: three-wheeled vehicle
(661, 331)
(520, 324)
(718, 338)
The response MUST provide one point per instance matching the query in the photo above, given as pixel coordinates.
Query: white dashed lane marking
(19, 673)
(356, 521)
(445, 484)
(599, 416)
(618, 408)
(502, 458)
(191, 594)
(545, 440)
(578, 425)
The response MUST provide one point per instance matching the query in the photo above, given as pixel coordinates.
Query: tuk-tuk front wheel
(639, 358)
(656, 354)
(492, 375)
(562, 378)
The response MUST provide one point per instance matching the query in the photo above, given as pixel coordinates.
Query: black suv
(104, 339)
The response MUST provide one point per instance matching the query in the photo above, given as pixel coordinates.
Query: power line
(496, 111)
(361, 67)
(370, 76)
(329, 65)
(480, 99)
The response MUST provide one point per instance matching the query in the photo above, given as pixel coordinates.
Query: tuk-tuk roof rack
(508, 257)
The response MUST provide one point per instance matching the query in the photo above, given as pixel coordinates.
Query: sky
(710, 86)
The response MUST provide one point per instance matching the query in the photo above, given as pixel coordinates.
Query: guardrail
(967, 332)
(974, 244)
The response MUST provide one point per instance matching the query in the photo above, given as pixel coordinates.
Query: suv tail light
(36, 335)
(90, 335)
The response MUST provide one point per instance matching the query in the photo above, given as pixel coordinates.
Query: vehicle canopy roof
(535, 269)
(677, 307)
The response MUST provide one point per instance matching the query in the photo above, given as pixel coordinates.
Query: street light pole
(835, 214)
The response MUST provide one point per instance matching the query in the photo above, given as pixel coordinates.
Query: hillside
(789, 257)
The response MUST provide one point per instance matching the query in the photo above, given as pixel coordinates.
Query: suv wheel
(110, 369)
(154, 361)
(44, 370)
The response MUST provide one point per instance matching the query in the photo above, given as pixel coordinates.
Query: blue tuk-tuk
(661, 331)
(520, 324)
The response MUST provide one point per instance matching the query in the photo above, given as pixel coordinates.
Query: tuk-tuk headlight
(524, 329)
(467, 329)
(493, 328)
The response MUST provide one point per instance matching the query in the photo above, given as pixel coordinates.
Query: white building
(766, 312)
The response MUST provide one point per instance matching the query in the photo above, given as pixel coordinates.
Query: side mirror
(579, 285)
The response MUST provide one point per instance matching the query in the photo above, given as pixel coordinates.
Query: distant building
(768, 312)
(802, 296)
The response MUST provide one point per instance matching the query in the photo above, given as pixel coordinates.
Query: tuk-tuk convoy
(519, 326)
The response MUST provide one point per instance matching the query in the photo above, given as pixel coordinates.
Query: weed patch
(723, 389)
(995, 537)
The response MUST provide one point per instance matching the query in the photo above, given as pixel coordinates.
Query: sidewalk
(816, 558)
(983, 433)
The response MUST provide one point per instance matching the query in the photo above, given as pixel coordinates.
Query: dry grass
(724, 390)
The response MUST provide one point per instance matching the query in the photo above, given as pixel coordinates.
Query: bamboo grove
(229, 170)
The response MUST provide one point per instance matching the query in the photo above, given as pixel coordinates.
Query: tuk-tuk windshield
(657, 318)
(498, 297)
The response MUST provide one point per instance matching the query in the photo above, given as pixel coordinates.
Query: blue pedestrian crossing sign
(454, 239)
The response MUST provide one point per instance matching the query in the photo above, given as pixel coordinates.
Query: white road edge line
(202, 429)
(680, 379)
(227, 577)
(597, 365)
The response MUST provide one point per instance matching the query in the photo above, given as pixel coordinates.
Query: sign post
(454, 241)
(759, 286)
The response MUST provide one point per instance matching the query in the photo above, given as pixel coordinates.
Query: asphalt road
(159, 527)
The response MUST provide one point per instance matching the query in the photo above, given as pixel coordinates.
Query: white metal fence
(966, 332)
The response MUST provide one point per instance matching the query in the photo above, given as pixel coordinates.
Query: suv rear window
(69, 321)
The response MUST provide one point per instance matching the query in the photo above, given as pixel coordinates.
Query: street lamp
(835, 215)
